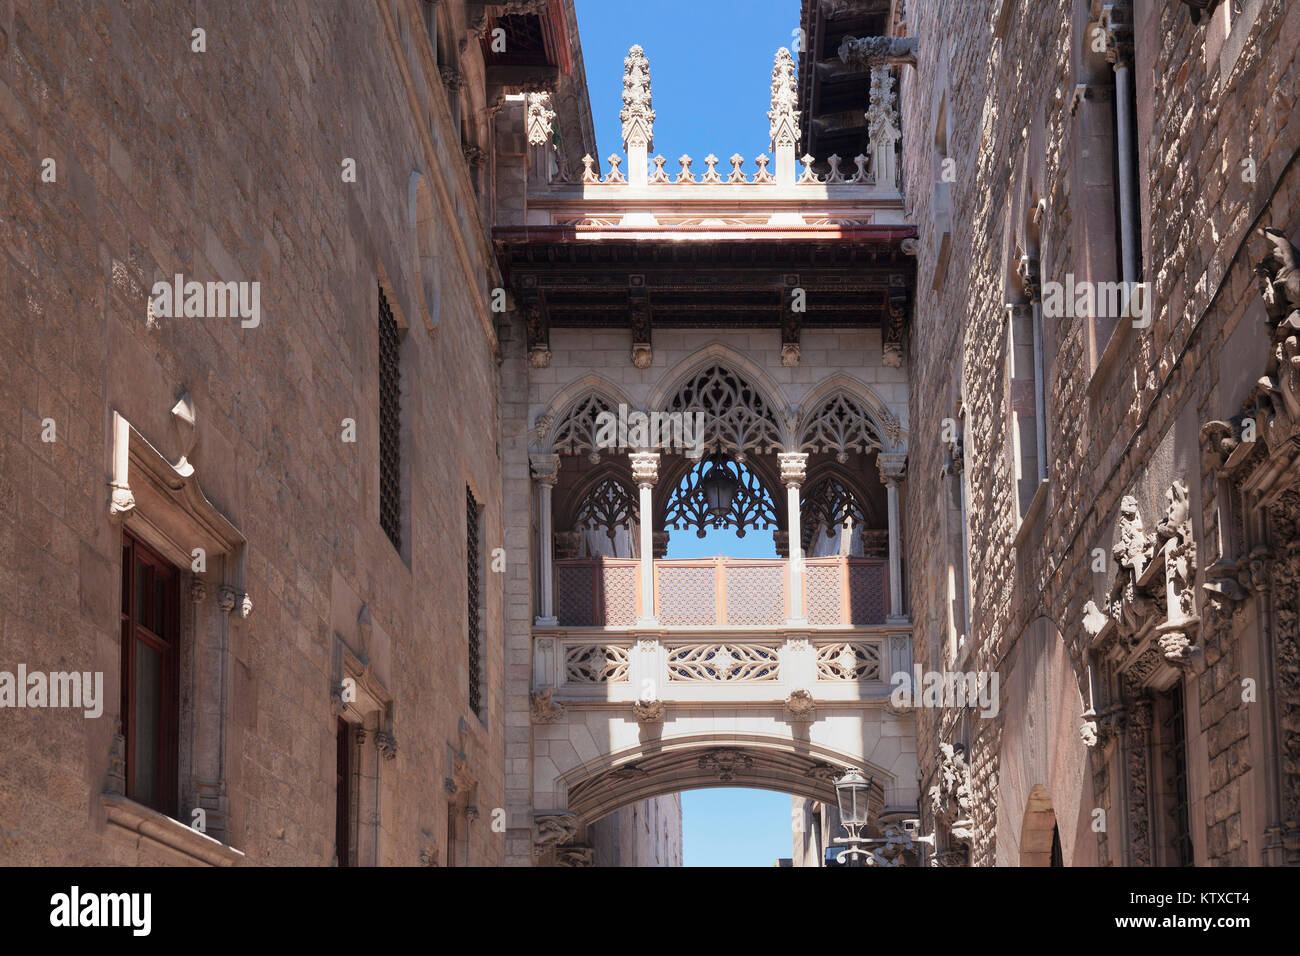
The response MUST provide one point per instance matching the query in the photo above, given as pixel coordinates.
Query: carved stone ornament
(387, 745)
(637, 116)
(649, 711)
(726, 764)
(950, 797)
(800, 705)
(783, 117)
(552, 829)
(545, 709)
(538, 119)
(882, 116)
(867, 53)
(1178, 633)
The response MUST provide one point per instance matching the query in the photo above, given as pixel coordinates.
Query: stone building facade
(1111, 496)
(312, 316)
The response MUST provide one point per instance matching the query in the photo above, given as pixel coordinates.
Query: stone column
(893, 467)
(645, 470)
(794, 467)
(546, 471)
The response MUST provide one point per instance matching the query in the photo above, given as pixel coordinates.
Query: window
(1171, 751)
(473, 577)
(343, 794)
(390, 423)
(150, 701)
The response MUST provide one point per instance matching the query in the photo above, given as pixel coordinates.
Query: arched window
(578, 431)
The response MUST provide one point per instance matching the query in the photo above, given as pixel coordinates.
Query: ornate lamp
(853, 793)
(719, 487)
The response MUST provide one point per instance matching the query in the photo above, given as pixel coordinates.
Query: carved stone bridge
(771, 307)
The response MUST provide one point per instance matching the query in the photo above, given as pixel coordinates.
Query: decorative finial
(637, 116)
(783, 116)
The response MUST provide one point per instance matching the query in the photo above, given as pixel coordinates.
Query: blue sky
(710, 72)
(711, 80)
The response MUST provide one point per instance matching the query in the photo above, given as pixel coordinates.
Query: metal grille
(472, 598)
(1182, 835)
(390, 417)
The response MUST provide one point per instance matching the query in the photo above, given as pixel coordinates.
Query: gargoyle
(867, 53)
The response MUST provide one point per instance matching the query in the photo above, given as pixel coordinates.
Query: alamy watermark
(1098, 300)
(74, 689)
(207, 300)
(671, 431)
(977, 689)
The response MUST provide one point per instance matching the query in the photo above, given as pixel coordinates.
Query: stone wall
(227, 165)
(1122, 421)
(648, 833)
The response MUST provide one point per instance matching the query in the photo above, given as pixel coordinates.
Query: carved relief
(545, 709)
(950, 801)
(725, 764)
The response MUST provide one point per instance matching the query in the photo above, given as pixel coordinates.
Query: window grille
(390, 416)
(472, 572)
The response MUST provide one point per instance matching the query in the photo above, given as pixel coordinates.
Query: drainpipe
(1117, 20)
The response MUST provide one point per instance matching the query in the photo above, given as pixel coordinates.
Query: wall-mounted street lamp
(853, 792)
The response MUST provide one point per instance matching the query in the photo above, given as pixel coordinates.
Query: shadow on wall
(1044, 785)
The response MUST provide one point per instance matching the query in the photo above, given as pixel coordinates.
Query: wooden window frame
(136, 553)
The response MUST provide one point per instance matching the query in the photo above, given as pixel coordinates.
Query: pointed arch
(549, 425)
(744, 409)
(763, 393)
(890, 433)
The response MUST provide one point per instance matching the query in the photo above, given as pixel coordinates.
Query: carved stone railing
(721, 592)
(570, 668)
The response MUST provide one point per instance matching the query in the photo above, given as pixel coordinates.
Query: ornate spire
(783, 115)
(882, 117)
(637, 116)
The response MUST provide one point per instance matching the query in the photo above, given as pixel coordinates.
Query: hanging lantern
(719, 486)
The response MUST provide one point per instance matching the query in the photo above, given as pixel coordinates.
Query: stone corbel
(649, 711)
(544, 708)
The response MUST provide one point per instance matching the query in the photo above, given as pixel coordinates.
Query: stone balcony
(722, 632)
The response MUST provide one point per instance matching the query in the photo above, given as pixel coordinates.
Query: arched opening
(749, 800)
(1040, 837)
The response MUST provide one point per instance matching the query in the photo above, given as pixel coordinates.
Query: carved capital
(545, 468)
(386, 744)
(645, 468)
(794, 467)
(893, 467)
